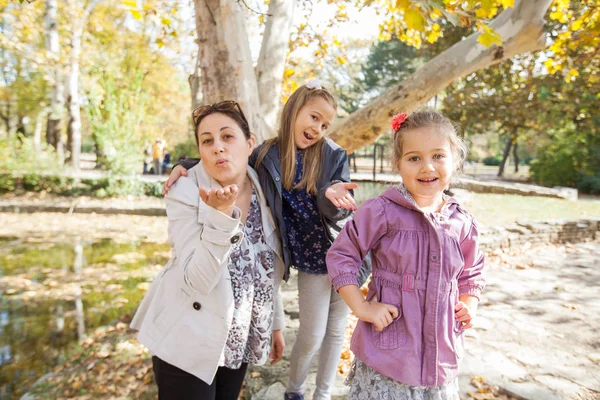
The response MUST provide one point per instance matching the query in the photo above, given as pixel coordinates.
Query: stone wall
(557, 231)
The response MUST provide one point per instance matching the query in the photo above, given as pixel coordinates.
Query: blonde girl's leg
(313, 293)
(331, 348)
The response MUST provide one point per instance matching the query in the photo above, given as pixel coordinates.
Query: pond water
(52, 294)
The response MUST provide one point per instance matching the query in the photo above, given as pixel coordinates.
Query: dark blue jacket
(334, 169)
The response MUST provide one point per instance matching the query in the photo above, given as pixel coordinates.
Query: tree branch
(522, 30)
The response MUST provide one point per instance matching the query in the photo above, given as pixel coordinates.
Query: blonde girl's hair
(311, 165)
(431, 118)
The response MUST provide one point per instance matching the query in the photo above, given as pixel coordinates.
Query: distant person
(427, 271)
(166, 164)
(147, 158)
(157, 153)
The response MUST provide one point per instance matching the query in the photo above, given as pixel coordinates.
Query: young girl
(215, 307)
(305, 177)
(427, 270)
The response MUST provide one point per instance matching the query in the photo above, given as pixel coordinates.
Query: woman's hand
(379, 314)
(176, 173)
(220, 199)
(277, 346)
(339, 195)
(466, 310)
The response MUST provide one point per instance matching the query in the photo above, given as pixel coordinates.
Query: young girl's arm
(471, 281)
(179, 170)
(335, 201)
(345, 257)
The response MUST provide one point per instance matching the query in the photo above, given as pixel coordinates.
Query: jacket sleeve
(201, 245)
(471, 280)
(354, 242)
(278, 316)
(340, 173)
(188, 163)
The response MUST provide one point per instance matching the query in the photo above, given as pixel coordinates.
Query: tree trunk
(271, 61)
(516, 156)
(74, 104)
(194, 81)
(74, 124)
(225, 60)
(37, 133)
(522, 30)
(56, 95)
(505, 155)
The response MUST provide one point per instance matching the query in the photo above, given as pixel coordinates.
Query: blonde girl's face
(312, 122)
(426, 165)
(224, 148)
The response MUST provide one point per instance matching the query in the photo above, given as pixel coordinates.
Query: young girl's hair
(287, 145)
(431, 118)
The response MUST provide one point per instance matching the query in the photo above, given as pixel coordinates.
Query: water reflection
(51, 294)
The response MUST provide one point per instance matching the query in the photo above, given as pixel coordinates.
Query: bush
(185, 149)
(492, 160)
(7, 183)
(589, 184)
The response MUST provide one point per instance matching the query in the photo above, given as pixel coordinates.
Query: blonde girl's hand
(465, 311)
(220, 199)
(176, 173)
(379, 314)
(339, 195)
(277, 346)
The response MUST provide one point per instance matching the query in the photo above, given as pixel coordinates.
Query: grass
(504, 209)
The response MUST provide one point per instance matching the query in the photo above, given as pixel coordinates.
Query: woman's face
(223, 148)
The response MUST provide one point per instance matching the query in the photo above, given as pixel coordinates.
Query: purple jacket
(421, 264)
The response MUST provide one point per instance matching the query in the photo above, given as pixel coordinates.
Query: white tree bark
(226, 66)
(79, 21)
(37, 133)
(56, 95)
(522, 30)
(195, 86)
(271, 60)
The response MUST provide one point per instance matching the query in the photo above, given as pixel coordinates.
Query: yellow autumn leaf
(288, 73)
(573, 72)
(166, 21)
(130, 3)
(402, 4)
(414, 19)
(136, 14)
(340, 60)
(159, 42)
(577, 25)
(507, 3)
(489, 37)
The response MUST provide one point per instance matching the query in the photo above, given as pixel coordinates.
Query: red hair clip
(398, 120)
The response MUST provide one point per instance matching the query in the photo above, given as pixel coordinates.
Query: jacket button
(196, 306)
(277, 178)
(235, 239)
(434, 257)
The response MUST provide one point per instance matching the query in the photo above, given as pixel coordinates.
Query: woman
(213, 308)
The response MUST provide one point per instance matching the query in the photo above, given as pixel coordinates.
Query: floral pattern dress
(251, 267)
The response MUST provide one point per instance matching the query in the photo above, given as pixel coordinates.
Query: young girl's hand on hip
(339, 195)
(466, 310)
(220, 199)
(176, 173)
(379, 314)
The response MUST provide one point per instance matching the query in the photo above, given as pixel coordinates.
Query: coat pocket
(393, 335)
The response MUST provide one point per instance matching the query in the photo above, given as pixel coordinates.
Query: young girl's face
(426, 164)
(312, 122)
(224, 148)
